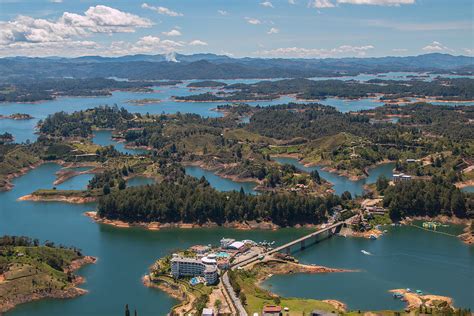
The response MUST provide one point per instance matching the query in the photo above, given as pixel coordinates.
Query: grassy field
(28, 270)
(257, 298)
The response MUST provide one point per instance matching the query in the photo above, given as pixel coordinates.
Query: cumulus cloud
(343, 50)
(161, 10)
(222, 12)
(469, 51)
(173, 32)
(273, 30)
(320, 4)
(253, 21)
(436, 47)
(378, 2)
(266, 4)
(400, 50)
(197, 43)
(98, 19)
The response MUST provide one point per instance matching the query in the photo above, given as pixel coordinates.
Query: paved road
(236, 301)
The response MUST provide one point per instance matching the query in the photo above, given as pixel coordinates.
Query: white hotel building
(190, 267)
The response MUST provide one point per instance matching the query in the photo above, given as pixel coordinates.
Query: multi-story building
(191, 267)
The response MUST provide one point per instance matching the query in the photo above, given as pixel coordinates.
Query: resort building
(191, 267)
(207, 312)
(226, 242)
(401, 177)
(271, 310)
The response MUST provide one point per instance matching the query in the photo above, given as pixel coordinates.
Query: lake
(340, 183)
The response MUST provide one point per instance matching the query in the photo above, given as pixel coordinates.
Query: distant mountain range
(211, 66)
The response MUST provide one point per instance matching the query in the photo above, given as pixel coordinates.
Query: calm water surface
(124, 254)
(219, 183)
(340, 183)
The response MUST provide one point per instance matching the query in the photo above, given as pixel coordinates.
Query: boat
(373, 237)
(366, 252)
(397, 295)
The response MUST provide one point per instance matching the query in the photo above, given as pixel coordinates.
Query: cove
(340, 183)
(405, 257)
(219, 183)
(124, 254)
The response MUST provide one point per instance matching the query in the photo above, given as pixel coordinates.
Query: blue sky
(266, 28)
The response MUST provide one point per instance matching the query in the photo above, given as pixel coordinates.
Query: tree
(381, 184)
(122, 184)
(315, 176)
(127, 311)
(218, 305)
(346, 196)
(243, 298)
(106, 189)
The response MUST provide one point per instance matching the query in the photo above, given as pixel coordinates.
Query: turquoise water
(124, 254)
(340, 183)
(24, 130)
(468, 189)
(77, 182)
(104, 138)
(406, 257)
(219, 183)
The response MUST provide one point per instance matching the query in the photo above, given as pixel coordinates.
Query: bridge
(303, 242)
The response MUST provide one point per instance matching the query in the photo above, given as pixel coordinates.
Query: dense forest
(449, 89)
(193, 200)
(427, 198)
(46, 89)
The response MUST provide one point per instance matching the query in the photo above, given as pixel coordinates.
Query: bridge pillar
(302, 245)
(288, 250)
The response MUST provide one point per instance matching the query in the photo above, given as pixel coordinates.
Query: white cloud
(273, 30)
(161, 10)
(433, 26)
(469, 51)
(291, 2)
(68, 27)
(56, 1)
(400, 50)
(343, 50)
(197, 43)
(173, 32)
(222, 12)
(320, 4)
(436, 47)
(253, 21)
(266, 4)
(377, 2)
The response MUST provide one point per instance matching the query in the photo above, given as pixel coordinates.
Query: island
(226, 279)
(30, 271)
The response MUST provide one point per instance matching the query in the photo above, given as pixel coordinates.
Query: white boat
(366, 252)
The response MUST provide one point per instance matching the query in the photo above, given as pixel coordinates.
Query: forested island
(47, 89)
(32, 271)
(305, 89)
(433, 144)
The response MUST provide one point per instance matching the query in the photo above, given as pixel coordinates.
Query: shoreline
(58, 198)
(415, 301)
(180, 225)
(71, 291)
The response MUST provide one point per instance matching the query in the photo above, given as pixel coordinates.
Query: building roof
(236, 245)
(271, 309)
(207, 312)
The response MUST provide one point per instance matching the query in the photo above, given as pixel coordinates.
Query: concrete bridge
(305, 241)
